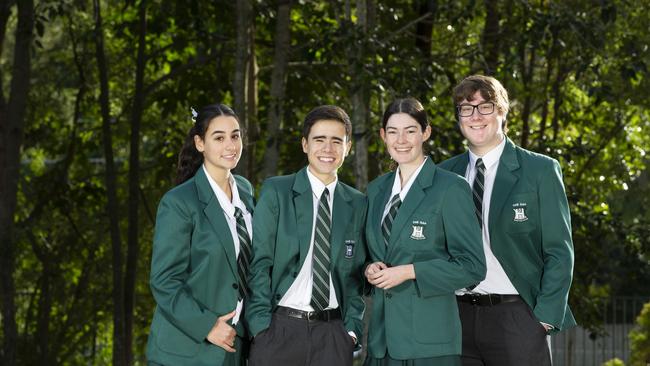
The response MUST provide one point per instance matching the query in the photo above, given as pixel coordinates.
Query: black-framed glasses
(466, 110)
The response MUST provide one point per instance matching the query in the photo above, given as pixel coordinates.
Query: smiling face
(483, 132)
(222, 145)
(326, 148)
(404, 137)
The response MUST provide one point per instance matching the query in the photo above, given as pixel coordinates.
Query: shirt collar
(491, 158)
(317, 187)
(397, 183)
(227, 205)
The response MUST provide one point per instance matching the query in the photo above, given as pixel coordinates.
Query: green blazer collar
(460, 164)
(380, 197)
(341, 217)
(304, 211)
(303, 208)
(414, 197)
(245, 195)
(506, 178)
(214, 214)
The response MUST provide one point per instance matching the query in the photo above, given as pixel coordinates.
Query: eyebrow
(324, 137)
(468, 102)
(219, 131)
(406, 128)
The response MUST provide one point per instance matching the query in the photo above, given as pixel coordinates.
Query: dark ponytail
(190, 159)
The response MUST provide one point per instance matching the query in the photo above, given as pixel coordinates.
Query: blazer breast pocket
(349, 250)
(423, 232)
(521, 213)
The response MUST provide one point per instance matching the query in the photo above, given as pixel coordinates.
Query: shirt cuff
(549, 326)
(352, 334)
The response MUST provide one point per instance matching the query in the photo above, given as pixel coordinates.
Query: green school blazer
(282, 236)
(193, 273)
(530, 230)
(437, 231)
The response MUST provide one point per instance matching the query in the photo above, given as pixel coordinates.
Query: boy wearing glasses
(523, 211)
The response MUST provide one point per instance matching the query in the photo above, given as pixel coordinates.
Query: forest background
(95, 103)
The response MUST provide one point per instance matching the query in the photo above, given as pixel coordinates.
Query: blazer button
(389, 295)
(235, 286)
(294, 274)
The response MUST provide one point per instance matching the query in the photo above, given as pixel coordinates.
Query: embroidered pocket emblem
(417, 233)
(520, 212)
(349, 248)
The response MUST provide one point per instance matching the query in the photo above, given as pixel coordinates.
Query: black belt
(487, 299)
(325, 315)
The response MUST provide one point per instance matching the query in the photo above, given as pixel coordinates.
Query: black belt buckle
(475, 299)
(312, 315)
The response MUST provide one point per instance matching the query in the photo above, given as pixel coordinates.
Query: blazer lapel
(303, 208)
(341, 215)
(246, 197)
(414, 197)
(215, 215)
(380, 200)
(460, 167)
(504, 181)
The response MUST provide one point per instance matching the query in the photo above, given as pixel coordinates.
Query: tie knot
(238, 213)
(325, 195)
(479, 163)
(395, 200)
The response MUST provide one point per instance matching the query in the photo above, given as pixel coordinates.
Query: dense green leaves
(577, 73)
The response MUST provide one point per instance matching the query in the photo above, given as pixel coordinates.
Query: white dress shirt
(299, 294)
(397, 187)
(496, 280)
(228, 208)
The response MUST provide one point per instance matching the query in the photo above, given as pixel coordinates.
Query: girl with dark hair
(424, 243)
(201, 249)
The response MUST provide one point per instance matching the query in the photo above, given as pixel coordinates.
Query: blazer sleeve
(466, 263)
(557, 248)
(170, 261)
(265, 219)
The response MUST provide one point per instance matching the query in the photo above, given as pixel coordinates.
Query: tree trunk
(545, 103)
(528, 91)
(252, 132)
(425, 26)
(44, 305)
(239, 79)
(12, 116)
(134, 186)
(119, 358)
(562, 73)
(278, 88)
(491, 38)
(360, 94)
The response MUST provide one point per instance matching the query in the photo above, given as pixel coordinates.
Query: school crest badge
(418, 232)
(520, 212)
(349, 248)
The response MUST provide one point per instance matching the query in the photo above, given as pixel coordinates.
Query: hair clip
(194, 114)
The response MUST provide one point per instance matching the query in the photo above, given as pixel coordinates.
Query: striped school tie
(477, 190)
(244, 258)
(387, 225)
(320, 294)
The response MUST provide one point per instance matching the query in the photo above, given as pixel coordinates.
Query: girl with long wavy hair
(201, 249)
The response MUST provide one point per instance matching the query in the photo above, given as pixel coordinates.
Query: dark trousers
(431, 361)
(506, 334)
(297, 342)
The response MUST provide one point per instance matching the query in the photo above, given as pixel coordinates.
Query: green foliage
(640, 339)
(614, 362)
(577, 73)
